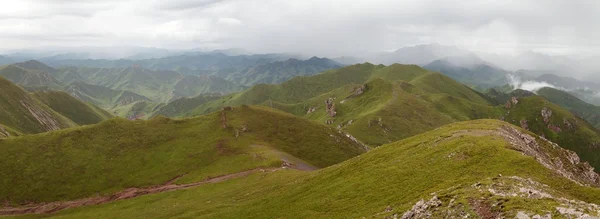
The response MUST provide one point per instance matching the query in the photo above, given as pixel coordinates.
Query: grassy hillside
(36, 77)
(483, 169)
(589, 112)
(281, 71)
(157, 85)
(102, 96)
(557, 124)
(72, 108)
(137, 110)
(377, 104)
(118, 154)
(25, 114)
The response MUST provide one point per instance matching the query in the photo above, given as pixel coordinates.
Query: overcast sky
(319, 27)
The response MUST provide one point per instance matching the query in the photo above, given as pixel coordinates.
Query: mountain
(30, 74)
(479, 75)
(280, 71)
(589, 112)
(158, 86)
(102, 96)
(79, 112)
(375, 103)
(567, 82)
(5, 60)
(23, 113)
(380, 104)
(479, 169)
(116, 154)
(420, 54)
(182, 105)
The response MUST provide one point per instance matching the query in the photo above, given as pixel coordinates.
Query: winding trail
(52, 207)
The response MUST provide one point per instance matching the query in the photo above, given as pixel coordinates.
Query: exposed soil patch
(483, 208)
(52, 207)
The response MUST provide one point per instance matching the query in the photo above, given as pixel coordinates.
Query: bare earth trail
(53, 207)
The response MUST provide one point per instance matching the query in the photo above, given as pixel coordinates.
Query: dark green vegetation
(466, 167)
(119, 154)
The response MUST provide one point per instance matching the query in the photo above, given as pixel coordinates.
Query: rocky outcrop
(330, 107)
(546, 114)
(550, 155)
(423, 209)
(524, 124)
(568, 124)
(4, 133)
(44, 118)
(223, 120)
(511, 102)
(311, 110)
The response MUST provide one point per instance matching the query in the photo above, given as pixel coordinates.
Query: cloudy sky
(319, 27)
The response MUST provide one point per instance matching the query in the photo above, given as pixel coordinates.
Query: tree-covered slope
(118, 154)
(475, 169)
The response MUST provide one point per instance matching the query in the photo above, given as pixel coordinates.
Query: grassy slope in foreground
(118, 154)
(468, 165)
(70, 107)
(23, 113)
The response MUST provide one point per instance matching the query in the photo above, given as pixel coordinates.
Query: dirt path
(52, 207)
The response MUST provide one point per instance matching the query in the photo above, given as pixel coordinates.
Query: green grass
(401, 101)
(79, 112)
(589, 112)
(583, 138)
(118, 154)
(395, 175)
(16, 107)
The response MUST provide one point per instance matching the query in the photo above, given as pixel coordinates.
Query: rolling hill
(158, 86)
(37, 76)
(480, 75)
(589, 112)
(479, 169)
(281, 71)
(118, 154)
(377, 104)
(79, 112)
(23, 113)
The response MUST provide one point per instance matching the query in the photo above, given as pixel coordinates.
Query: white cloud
(316, 27)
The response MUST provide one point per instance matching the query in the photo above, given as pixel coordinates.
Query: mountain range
(215, 135)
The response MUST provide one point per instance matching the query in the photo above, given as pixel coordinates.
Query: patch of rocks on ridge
(552, 156)
(487, 199)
